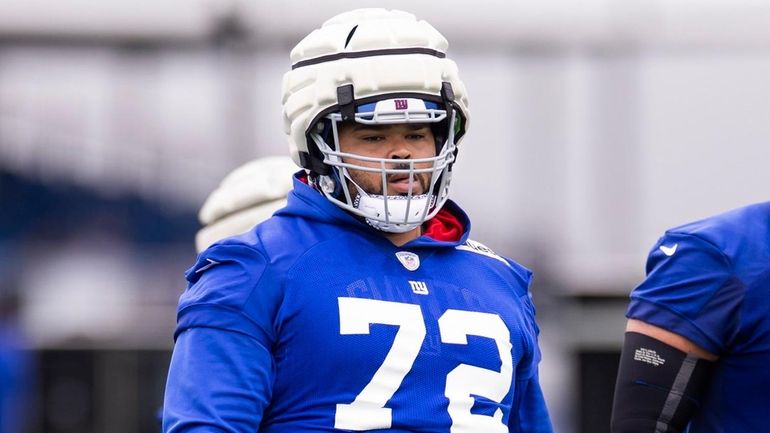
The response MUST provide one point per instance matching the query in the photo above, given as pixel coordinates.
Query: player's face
(397, 142)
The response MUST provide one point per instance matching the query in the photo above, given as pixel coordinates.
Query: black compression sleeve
(658, 387)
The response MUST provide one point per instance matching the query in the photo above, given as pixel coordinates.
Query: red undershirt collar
(445, 227)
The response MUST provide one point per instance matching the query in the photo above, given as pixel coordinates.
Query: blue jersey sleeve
(218, 381)
(528, 366)
(690, 290)
(222, 369)
(533, 413)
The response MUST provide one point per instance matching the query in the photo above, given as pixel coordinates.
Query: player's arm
(218, 381)
(669, 338)
(222, 370)
(532, 412)
(661, 380)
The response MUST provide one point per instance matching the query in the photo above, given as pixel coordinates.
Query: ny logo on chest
(419, 287)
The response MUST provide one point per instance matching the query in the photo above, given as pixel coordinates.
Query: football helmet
(246, 196)
(374, 66)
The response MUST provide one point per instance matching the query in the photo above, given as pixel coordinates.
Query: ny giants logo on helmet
(401, 104)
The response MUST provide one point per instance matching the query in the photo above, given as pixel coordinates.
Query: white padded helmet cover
(311, 89)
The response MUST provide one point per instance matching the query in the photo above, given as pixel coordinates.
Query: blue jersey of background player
(697, 349)
(362, 305)
(16, 363)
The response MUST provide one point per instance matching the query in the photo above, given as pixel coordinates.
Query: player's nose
(399, 148)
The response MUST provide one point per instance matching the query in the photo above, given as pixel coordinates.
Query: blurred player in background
(15, 361)
(362, 305)
(247, 196)
(697, 347)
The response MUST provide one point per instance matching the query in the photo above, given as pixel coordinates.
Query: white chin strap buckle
(397, 220)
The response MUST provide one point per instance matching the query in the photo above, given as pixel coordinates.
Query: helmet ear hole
(313, 159)
(440, 132)
(459, 126)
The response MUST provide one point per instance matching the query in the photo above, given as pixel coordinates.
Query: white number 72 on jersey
(368, 411)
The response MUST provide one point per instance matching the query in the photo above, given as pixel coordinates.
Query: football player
(697, 348)
(362, 305)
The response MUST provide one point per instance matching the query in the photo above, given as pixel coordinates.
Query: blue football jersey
(15, 378)
(315, 322)
(709, 281)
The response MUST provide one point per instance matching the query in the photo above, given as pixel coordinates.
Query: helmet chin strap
(397, 220)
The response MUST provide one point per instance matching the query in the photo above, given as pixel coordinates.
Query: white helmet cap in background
(245, 197)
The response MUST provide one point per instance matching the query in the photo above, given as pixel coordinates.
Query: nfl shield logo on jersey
(411, 261)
